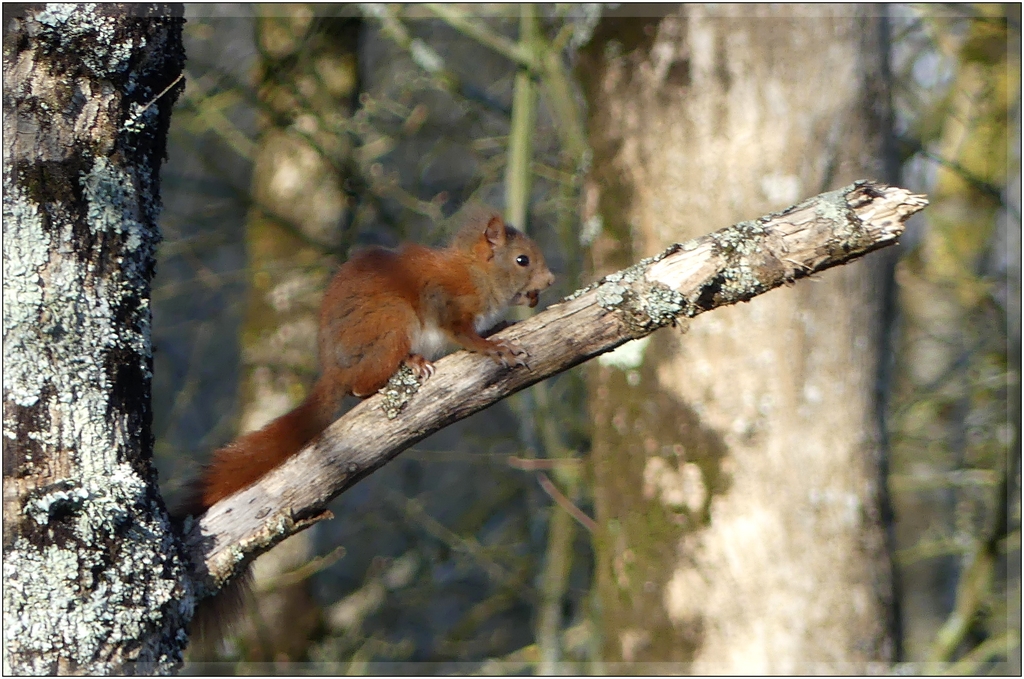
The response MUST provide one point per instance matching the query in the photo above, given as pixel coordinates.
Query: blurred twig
(573, 639)
(191, 382)
(534, 464)
(306, 570)
(993, 647)
(426, 57)
(565, 503)
(516, 52)
(542, 59)
(975, 585)
(982, 186)
(558, 91)
(940, 479)
(209, 112)
(518, 171)
(468, 546)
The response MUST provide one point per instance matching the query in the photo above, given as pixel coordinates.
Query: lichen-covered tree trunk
(93, 580)
(737, 464)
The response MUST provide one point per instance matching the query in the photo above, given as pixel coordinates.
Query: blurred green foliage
(955, 412)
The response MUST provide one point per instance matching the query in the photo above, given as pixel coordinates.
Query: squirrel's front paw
(507, 353)
(420, 366)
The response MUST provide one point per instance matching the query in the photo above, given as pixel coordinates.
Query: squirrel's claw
(508, 353)
(421, 367)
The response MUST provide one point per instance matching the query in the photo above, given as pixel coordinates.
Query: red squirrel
(382, 309)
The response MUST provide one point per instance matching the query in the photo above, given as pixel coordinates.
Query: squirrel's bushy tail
(249, 457)
(238, 465)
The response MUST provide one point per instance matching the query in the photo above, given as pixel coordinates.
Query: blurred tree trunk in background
(738, 466)
(306, 83)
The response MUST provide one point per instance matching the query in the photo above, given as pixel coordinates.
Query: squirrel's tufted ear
(494, 232)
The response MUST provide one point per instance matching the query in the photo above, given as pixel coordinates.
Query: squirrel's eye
(523, 260)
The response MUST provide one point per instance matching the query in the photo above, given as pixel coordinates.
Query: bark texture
(93, 580)
(737, 467)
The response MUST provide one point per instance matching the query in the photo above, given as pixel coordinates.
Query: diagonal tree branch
(721, 268)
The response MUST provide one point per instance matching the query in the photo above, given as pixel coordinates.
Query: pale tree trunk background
(737, 465)
(93, 581)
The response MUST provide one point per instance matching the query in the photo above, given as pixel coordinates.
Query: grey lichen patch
(833, 205)
(140, 116)
(741, 247)
(99, 573)
(836, 198)
(232, 560)
(240, 555)
(611, 295)
(224, 566)
(57, 14)
(112, 202)
(836, 208)
(739, 282)
(63, 27)
(743, 239)
(580, 292)
(399, 389)
(25, 252)
(114, 207)
(644, 305)
(663, 305)
(63, 498)
(102, 592)
(628, 276)
(865, 216)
